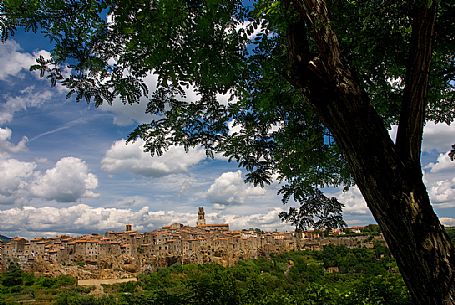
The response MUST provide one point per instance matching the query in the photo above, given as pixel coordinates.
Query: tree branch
(412, 116)
(328, 63)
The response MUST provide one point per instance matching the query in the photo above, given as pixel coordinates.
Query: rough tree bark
(388, 174)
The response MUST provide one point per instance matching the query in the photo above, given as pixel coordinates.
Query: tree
(13, 275)
(312, 84)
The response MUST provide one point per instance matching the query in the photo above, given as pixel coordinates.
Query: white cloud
(267, 221)
(229, 188)
(83, 218)
(234, 128)
(68, 181)
(14, 179)
(13, 62)
(443, 164)
(6, 146)
(438, 137)
(447, 221)
(353, 201)
(125, 114)
(28, 97)
(131, 202)
(442, 193)
(74, 219)
(132, 158)
(438, 175)
(440, 181)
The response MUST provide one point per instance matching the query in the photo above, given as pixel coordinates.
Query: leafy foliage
(17, 286)
(451, 232)
(317, 211)
(13, 276)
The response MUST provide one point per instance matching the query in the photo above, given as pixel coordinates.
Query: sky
(65, 167)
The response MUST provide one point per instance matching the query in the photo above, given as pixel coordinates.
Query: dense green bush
(76, 299)
(12, 276)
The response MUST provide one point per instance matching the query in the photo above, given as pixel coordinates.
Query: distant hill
(4, 238)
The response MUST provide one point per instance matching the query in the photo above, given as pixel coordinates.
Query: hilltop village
(124, 254)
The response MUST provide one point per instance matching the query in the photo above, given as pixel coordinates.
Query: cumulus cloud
(229, 189)
(440, 181)
(442, 164)
(442, 193)
(14, 62)
(447, 221)
(353, 201)
(132, 158)
(438, 137)
(126, 114)
(14, 180)
(438, 175)
(75, 219)
(6, 146)
(68, 181)
(83, 218)
(268, 221)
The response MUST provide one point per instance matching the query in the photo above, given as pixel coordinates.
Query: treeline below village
(335, 275)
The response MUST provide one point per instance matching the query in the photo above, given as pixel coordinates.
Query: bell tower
(200, 216)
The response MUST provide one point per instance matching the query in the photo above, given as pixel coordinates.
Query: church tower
(200, 216)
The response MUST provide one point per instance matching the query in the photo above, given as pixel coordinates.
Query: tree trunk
(396, 197)
(391, 185)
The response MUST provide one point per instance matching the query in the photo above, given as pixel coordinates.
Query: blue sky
(65, 168)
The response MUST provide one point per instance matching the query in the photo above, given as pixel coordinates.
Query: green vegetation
(361, 276)
(451, 232)
(17, 286)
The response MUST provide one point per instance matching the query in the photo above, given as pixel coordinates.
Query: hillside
(4, 238)
(335, 275)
